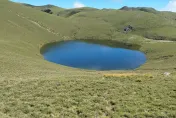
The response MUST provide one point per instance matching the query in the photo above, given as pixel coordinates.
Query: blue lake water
(85, 55)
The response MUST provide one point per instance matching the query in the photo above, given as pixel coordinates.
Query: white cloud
(171, 6)
(78, 5)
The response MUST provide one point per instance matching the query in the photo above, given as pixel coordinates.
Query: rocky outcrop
(47, 11)
(128, 28)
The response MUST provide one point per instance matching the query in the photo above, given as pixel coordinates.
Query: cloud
(78, 5)
(171, 6)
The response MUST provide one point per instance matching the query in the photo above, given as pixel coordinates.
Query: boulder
(128, 28)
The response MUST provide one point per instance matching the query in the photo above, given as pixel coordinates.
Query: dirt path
(155, 41)
(38, 25)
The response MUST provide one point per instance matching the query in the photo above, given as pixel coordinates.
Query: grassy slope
(53, 8)
(33, 87)
(70, 12)
(119, 19)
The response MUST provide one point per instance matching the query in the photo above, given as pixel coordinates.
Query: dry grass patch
(127, 75)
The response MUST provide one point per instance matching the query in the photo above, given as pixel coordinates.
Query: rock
(47, 11)
(128, 28)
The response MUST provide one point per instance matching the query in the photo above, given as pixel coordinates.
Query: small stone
(167, 73)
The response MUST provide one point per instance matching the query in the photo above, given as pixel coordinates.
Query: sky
(163, 5)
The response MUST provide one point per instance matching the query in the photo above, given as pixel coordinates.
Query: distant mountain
(70, 12)
(43, 6)
(145, 9)
(53, 8)
(28, 5)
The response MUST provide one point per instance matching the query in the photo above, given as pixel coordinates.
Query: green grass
(90, 97)
(33, 87)
(163, 33)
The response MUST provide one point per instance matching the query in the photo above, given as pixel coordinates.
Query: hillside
(158, 22)
(118, 19)
(53, 8)
(32, 87)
